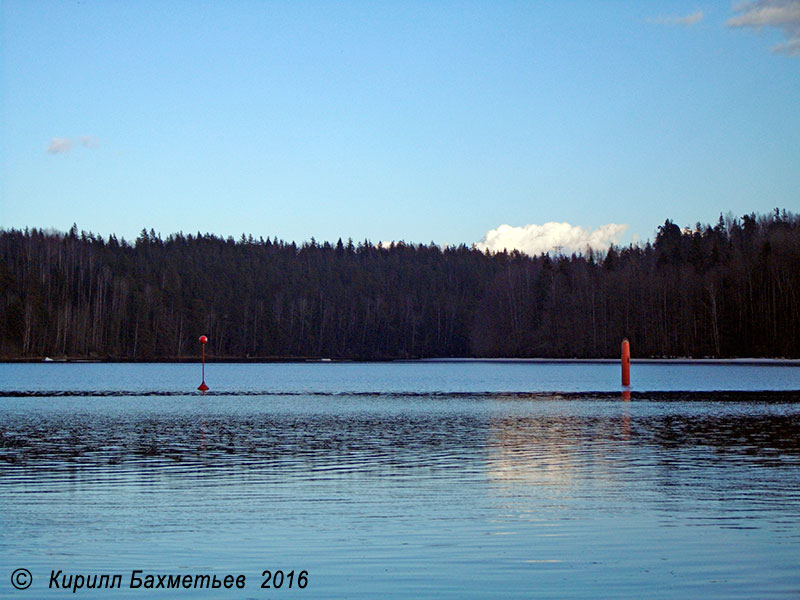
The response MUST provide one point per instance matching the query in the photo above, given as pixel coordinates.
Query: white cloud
(64, 145)
(687, 20)
(783, 14)
(89, 141)
(60, 146)
(550, 237)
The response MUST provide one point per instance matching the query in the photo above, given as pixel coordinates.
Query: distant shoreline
(789, 362)
(795, 362)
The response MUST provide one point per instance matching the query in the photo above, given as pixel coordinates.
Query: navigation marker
(203, 387)
(626, 362)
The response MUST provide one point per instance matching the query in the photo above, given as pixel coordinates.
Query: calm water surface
(409, 480)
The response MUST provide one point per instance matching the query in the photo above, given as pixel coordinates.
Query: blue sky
(422, 121)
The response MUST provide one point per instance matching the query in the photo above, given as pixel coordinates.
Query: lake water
(404, 480)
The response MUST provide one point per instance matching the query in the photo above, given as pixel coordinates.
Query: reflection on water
(671, 447)
(395, 428)
(391, 495)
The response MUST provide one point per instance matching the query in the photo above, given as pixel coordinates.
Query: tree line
(727, 290)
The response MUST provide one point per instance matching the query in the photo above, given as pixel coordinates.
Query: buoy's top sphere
(203, 339)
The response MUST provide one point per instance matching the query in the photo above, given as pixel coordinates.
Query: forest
(726, 290)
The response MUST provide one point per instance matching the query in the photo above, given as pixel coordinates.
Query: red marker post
(203, 387)
(626, 362)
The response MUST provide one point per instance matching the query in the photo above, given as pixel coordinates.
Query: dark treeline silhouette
(727, 290)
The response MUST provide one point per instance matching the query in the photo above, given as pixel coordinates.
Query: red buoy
(203, 387)
(626, 362)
